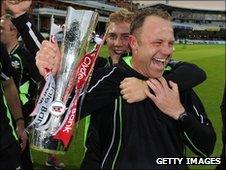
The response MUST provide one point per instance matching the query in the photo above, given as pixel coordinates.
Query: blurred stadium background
(200, 39)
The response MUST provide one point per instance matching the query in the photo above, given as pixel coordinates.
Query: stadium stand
(196, 25)
(190, 25)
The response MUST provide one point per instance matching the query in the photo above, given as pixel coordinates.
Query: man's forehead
(119, 27)
(121, 24)
(155, 21)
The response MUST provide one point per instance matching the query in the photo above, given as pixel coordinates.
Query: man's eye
(112, 36)
(157, 43)
(126, 37)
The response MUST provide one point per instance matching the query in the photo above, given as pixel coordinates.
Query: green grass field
(210, 58)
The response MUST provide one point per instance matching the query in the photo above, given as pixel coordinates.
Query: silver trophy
(78, 30)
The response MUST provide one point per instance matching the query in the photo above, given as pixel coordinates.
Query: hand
(48, 58)
(133, 89)
(166, 98)
(21, 134)
(17, 7)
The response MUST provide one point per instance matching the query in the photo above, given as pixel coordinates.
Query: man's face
(6, 30)
(152, 47)
(117, 39)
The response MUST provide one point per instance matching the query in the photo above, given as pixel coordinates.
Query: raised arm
(186, 75)
(28, 31)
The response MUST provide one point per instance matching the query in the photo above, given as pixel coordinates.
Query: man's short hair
(122, 15)
(140, 17)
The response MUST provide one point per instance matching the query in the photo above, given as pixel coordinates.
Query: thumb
(53, 39)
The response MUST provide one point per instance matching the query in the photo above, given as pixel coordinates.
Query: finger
(128, 98)
(46, 55)
(157, 85)
(125, 96)
(153, 87)
(123, 84)
(56, 47)
(49, 45)
(44, 64)
(128, 79)
(54, 42)
(130, 101)
(122, 92)
(125, 91)
(173, 86)
(164, 83)
(43, 67)
(151, 96)
(55, 69)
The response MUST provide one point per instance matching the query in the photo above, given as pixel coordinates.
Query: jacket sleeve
(197, 130)
(186, 75)
(223, 114)
(29, 33)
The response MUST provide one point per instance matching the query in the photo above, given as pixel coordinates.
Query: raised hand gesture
(17, 7)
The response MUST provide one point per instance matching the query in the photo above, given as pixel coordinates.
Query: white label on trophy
(57, 108)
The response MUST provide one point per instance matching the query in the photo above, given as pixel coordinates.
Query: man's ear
(133, 42)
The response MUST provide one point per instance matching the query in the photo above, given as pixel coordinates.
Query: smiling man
(151, 51)
(135, 135)
(117, 38)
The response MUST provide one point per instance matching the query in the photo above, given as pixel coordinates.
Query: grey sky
(213, 4)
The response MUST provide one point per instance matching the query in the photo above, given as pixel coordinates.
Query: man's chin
(116, 55)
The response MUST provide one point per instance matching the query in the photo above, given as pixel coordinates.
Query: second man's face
(117, 39)
(153, 46)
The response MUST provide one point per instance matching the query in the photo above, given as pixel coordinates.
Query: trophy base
(42, 141)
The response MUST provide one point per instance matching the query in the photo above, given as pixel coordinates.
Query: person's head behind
(151, 42)
(118, 31)
(8, 31)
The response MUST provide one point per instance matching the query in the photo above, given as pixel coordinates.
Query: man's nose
(118, 41)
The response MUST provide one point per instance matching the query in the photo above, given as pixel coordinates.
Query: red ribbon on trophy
(66, 130)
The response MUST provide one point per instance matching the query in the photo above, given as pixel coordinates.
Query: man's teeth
(118, 51)
(160, 60)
